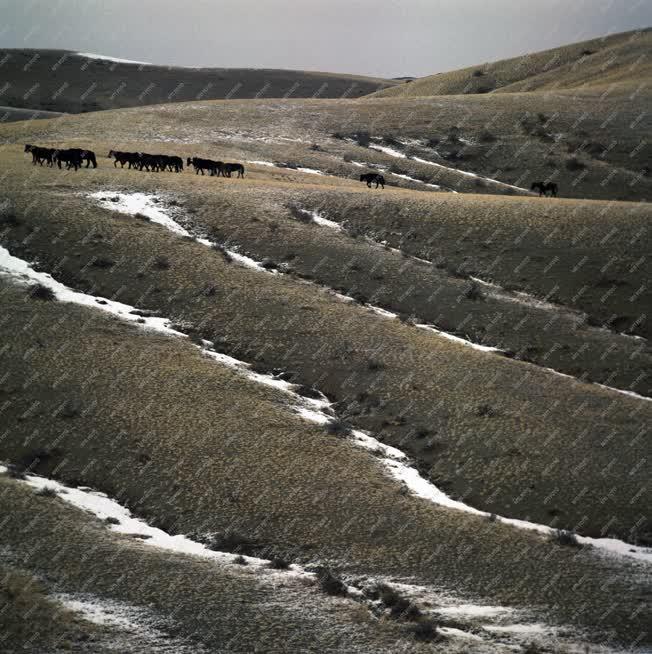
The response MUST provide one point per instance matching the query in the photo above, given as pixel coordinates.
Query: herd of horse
(74, 158)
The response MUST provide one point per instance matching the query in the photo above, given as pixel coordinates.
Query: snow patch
(92, 55)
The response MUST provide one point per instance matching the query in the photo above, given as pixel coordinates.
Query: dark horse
(39, 154)
(544, 187)
(122, 158)
(85, 155)
(229, 168)
(71, 157)
(373, 177)
(200, 165)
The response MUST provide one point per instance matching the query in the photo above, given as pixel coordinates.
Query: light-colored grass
(616, 62)
(194, 447)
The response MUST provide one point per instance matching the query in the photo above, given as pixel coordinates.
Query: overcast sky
(375, 37)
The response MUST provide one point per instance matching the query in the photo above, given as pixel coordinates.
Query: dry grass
(611, 60)
(150, 438)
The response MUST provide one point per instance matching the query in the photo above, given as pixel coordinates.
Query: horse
(85, 155)
(122, 158)
(200, 165)
(39, 154)
(373, 177)
(544, 187)
(176, 163)
(71, 157)
(148, 161)
(229, 168)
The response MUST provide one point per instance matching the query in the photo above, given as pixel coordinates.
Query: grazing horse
(200, 165)
(544, 187)
(373, 177)
(122, 158)
(229, 168)
(71, 157)
(39, 154)
(176, 163)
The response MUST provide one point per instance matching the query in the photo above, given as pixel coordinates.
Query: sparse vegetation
(41, 292)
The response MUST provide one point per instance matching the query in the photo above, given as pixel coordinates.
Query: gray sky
(375, 37)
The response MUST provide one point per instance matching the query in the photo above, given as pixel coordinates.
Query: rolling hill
(71, 82)
(290, 413)
(617, 63)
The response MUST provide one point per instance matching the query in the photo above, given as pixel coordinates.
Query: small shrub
(425, 631)
(46, 491)
(218, 247)
(16, 472)
(574, 164)
(162, 262)
(142, 216)
(111, 520)
(41, 292)
(566, 537)
(362, 139)
(404, 609)
(301, 215)
(485, 411)
(279, 563)
(374, 365)
(487, 137)
(473, 292)
(329, 583)
(308, 391)
(478, 73)
(492, 517)
(268, 264)
(240, 560)
(587, 53)
(103, 262)
(338, 427)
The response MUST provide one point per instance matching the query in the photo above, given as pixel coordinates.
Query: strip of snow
(474, 610)
(395, 461)
(399, 155)
(119, 519)
(92, 55)
(320, 220)
(263, 163)
(137, 625)
(144, 204)
(312, 171)
(390, 151)
(416, 181)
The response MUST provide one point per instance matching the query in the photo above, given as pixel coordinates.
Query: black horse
(544, 187)
(200, 165)
(229, 168)
(71, 157)
(85, 155)
(39, 154)
(122, 158)
(373, 177)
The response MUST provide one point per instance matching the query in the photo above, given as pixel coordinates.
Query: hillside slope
(620, 59)
(61, 80)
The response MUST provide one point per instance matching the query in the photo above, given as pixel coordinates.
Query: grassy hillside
(65, 81)
(510, 315)
(615, 63)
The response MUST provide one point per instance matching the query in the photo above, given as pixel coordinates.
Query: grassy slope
(58, 80)
(11, 114)
(213, 605)
(174, 418)
(618, 59)
(278, 322)
(595, 140)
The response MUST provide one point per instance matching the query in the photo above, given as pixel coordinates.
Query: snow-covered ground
(92, 55)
